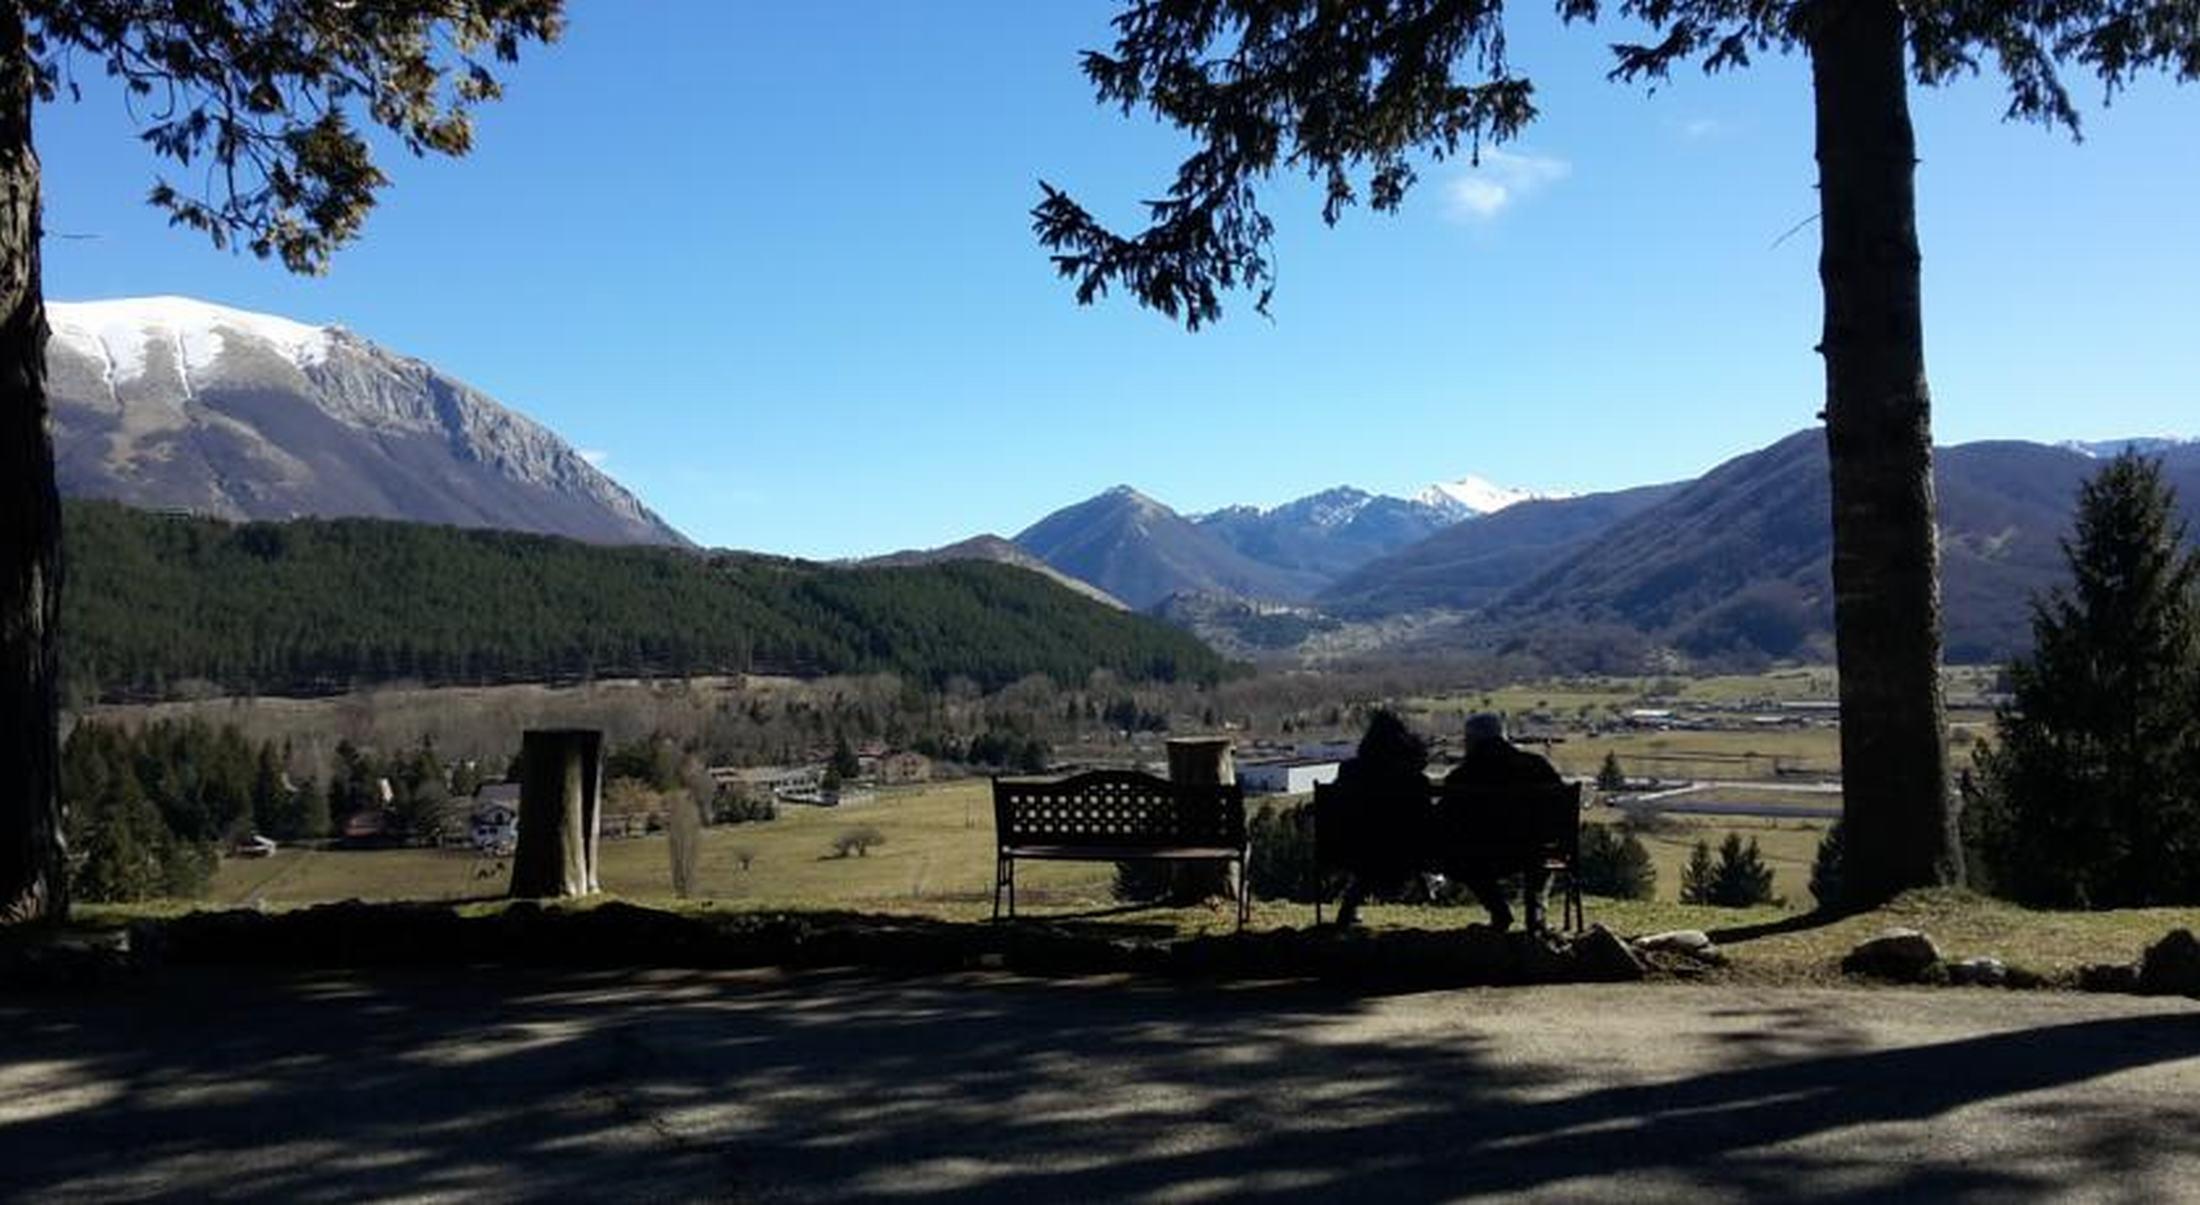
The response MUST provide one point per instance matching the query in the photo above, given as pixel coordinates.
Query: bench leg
(1244, 889)
(1001, 878)
(1576, 918)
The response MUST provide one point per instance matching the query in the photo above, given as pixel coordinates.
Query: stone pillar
(1202, 759)
(560, 796)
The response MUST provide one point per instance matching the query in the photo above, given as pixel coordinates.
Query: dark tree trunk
(1898, 813)
(33, 869)
(560, 796)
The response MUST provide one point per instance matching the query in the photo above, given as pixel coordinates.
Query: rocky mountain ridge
(172, 403)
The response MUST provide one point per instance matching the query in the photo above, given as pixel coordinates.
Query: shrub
(1825, 870)
(857, 841)
(683, 840)
(1283, 854)
(1610, 777)
(1614, 864)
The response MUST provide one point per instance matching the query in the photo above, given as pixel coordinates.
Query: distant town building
(1291, 776)
(494, 824)
(904, 767)
(367, 826)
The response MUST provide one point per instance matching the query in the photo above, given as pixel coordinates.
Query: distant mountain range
(1732, 564)
(1143, 552)
(180, 405)
(176, 404)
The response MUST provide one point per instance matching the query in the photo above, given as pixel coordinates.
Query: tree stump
(1202, 759)
(560, 796)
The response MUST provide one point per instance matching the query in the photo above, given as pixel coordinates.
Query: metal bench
(1507, 826)
(1117, 816)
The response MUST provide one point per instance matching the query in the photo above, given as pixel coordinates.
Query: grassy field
(937, 861)
(937, 853)
(937, 850)
(1788, 847)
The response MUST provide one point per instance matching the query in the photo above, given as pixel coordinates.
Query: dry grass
(937, 861)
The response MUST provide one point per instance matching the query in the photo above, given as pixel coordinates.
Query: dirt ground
(497, 1084)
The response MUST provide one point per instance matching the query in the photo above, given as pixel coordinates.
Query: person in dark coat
(1387, 781)
(1491, 761)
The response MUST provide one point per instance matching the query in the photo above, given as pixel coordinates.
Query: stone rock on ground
(1601, 957)
(2171, 966)
(1983, 971)
(2108, 977)
(1902, 955)
(1690, 943)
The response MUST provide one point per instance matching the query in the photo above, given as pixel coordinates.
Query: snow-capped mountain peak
(177, 403)
(118, 332)
(1472, 495)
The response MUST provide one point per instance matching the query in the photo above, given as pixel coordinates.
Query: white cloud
(594, 456)
(1696, 129)
(1500, 180)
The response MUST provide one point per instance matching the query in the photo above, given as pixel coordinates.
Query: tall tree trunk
(33, 869)
(560, 795)
(1898, 813)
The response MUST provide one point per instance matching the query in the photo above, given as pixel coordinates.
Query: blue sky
(773, 263)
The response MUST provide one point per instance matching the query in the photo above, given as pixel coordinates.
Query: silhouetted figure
(1491, 761)
(1387, 780)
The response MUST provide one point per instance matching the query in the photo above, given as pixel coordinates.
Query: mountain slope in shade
(1325, 534)
(1142, 552)
(990, 547)
(1740, 559)
(173, 403)
(1467, 564)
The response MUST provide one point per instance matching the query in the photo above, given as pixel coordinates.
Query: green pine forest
(321, 605)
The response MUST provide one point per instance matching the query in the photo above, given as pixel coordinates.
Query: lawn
(937, 861)
(937, 849)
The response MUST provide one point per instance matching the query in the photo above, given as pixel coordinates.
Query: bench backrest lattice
(1117, 816)
(1118, 808)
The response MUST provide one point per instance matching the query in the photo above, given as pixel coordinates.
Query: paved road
(816, 1086)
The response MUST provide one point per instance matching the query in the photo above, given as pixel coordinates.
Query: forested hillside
(314, 605)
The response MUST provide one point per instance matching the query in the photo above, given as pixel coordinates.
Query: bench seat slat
(1120, 853)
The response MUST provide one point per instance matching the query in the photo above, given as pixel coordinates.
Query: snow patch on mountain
(1470, 496)
(2144, 445)
(118, 333)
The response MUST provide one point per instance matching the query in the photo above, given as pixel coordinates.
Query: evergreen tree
(1698, 879)
(1741, 879)
(257, 100)
(1610, 777)
(1614, 864)
(1825, 870)
(844, 765)
(1350, 92)
(273, 802)
(312, 811)
(2088, 797)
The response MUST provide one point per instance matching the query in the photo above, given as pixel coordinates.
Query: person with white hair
(1492, 761)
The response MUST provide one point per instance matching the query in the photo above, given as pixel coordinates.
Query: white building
(495, 820)
(1293, 776)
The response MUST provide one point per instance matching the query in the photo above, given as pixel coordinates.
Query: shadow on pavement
(821, 1085)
